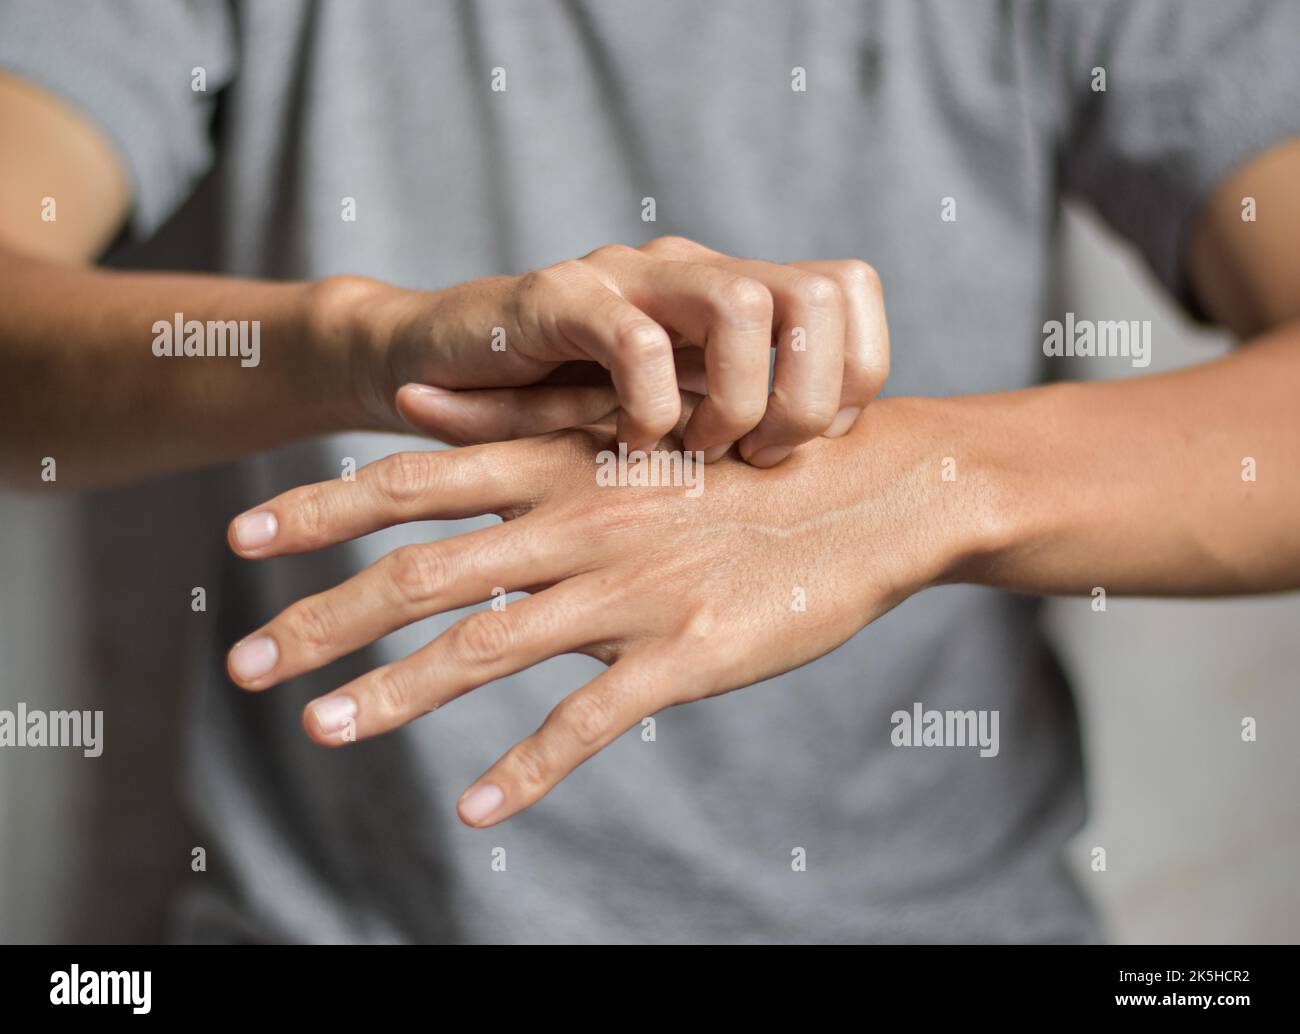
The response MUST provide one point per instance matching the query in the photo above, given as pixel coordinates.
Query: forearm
(85, 385)
(1138, 486)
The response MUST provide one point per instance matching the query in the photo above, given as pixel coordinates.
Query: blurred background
(1201, 830)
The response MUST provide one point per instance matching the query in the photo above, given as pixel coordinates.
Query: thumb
(498, 414)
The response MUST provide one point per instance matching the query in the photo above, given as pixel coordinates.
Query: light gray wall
(1202, 831)
(90, 847)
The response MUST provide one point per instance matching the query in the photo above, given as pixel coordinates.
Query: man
(432, 145)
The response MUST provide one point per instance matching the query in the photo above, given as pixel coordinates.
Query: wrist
(351, 323)
(941, 458)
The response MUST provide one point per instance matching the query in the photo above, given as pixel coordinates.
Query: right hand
(861, 523)
(669, 316)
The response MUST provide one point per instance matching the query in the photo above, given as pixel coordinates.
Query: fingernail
(843, 421)
(481, 801)
(254, 530)
(334, 713)
(770, 456)
(717, 452)
(427, 389)
(253, 658)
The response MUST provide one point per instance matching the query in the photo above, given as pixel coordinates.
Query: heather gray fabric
(689, 837)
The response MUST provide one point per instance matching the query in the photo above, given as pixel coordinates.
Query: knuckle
(310, 510)
(746, 412)
(392, 691)
(404, 477)
(861, 275)
(867, 379)
(810, 419)
(703, 636)
(482, 639)
(531, 284)
(743, 300)
(661, 413)
(538, 284)
(817, 291)
(612, 253)
(642, 341)
(531, 292)
(587, 718)
(700, 627)
(311, 625)
(672, 244)
(419, 572)
(529, 769)
(821, 413)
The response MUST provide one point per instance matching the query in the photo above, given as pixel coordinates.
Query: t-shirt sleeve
(130, 66)
(1193, 90)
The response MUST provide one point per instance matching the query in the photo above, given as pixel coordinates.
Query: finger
(810, 320)
(866, 343)
(494, 415)
(580, 317)
(728, 315)
(691, 375)
(866, 337)
(408, 585)
(488, 644)
(580, 726)
(438, 484)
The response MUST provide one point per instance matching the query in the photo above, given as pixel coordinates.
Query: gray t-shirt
(693, 835)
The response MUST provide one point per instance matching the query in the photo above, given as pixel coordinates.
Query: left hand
(622, 332)
(684, 597)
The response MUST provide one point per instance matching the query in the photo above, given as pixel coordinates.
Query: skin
(1134, 486)
(1148, 500)
(620, 330)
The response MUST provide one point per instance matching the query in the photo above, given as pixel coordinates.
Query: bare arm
(1145, 486)
(1133, 486)
(84, 385)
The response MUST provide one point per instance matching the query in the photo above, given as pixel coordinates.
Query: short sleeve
(131, 67)
(1193, 90)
